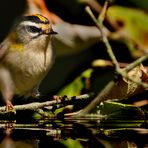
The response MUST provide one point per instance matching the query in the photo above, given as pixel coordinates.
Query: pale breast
(28, 68)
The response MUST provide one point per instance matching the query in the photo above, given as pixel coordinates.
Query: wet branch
(35, 106)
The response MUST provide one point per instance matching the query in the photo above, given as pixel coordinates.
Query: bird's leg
(9, 106)
(35, 92)
(6, 87)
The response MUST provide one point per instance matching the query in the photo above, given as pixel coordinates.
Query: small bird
(26, 56)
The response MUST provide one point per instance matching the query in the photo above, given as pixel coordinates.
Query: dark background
(66, 68)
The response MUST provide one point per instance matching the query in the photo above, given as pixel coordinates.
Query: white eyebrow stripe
(28, 23)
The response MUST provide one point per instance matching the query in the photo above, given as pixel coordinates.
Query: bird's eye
(34, 29)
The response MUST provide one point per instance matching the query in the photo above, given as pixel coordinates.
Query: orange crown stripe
(43, 19)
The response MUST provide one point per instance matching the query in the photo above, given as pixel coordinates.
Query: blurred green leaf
(75, 87)
(132, 24)
(70, 143)
(115, 110)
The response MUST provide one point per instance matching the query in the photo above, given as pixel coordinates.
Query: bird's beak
(53, 32)
(49, 32)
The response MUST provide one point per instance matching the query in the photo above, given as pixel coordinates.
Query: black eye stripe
(33, 29)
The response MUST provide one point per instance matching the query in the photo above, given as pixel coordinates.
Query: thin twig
(102, 96)
(99, 25)
(88, 10)
(31, 106)
(37, 105)
(93, 4)
(102, 15)
(135, 63)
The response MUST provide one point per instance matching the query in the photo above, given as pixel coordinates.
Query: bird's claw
(9, 106)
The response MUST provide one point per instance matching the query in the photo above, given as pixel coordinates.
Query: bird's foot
(9, 106)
